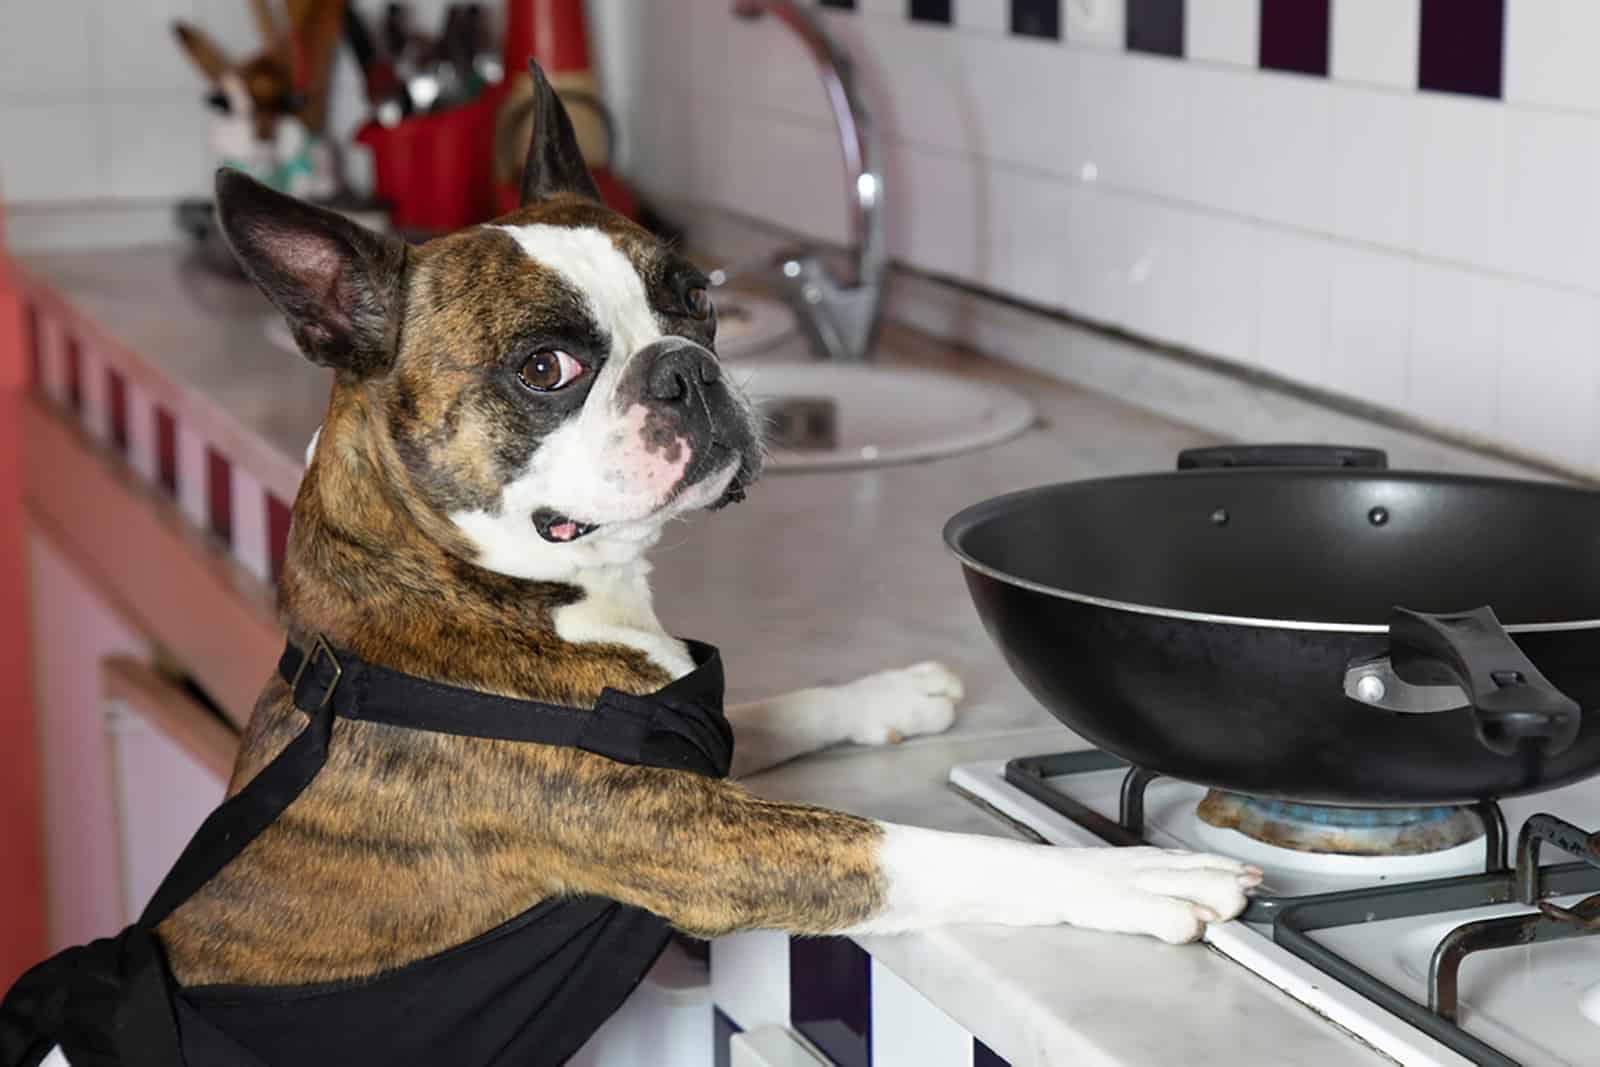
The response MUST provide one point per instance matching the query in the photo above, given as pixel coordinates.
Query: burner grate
(1293, 919)
(1032, 775)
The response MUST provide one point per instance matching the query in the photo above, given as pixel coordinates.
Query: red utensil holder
(434, 171)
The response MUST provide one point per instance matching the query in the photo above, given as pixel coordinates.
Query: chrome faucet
(837, 317)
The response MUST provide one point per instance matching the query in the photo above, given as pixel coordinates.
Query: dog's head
(548, 381)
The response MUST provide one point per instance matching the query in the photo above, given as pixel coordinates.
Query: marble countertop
(818, 578)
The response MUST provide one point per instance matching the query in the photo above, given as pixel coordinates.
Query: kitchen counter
(817, 578)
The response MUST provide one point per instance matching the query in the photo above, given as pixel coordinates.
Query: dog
(518, 410)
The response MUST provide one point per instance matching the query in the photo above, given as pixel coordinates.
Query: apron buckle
(319, 647)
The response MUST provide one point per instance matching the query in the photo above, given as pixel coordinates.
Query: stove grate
(1294, 919)
(1033, 774)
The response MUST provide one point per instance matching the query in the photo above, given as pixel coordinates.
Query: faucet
(838, 317)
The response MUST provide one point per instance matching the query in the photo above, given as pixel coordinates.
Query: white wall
(97, 102)
(1432, 253)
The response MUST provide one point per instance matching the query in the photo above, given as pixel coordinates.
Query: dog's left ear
(340, 286)
(555, 163)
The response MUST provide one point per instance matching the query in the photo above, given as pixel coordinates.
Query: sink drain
(802, 423)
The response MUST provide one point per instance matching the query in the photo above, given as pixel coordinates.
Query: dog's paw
(890, 706)
(1165, 894)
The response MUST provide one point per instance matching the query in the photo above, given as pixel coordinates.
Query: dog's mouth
(559, 529)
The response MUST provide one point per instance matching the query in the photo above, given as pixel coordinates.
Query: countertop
(818, 578)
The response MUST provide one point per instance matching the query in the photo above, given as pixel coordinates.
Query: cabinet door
(74, 628)
(169, 758)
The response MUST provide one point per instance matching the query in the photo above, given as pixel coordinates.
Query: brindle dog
(518, 408)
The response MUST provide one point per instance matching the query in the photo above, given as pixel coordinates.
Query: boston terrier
(518, 410)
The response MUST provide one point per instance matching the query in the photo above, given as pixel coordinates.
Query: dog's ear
(555, 164)
(338, 284)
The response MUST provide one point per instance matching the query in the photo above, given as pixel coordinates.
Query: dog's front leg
(712, 858)
(879, 709)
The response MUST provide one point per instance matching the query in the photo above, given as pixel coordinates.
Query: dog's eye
(697, 302)
(547, 371)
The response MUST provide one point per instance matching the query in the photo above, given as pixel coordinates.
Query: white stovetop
(1539, 1005)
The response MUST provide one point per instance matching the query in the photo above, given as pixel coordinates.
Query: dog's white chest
(617, 610)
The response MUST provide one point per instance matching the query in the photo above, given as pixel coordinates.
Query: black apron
(530, 991)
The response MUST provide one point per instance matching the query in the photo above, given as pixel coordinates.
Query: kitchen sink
(835, 416)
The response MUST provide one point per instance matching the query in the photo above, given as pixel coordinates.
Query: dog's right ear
(339, 285)
(555, 163)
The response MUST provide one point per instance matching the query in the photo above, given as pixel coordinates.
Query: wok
(1302, 623)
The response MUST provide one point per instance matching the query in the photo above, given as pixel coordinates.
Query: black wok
(1330, 635)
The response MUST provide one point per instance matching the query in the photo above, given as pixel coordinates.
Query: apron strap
(242, 817)
(680, 727)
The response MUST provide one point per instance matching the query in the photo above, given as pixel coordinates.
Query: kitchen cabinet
(22, 934)
(76, 627)
(171, 757)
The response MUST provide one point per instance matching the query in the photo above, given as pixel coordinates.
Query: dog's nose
(681, 371)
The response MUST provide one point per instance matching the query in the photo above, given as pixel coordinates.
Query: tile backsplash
(1394, 199)
(97, 102)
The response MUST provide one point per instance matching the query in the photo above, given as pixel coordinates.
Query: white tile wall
(1149, 150)
(1094, 279)
(1292, 150)
(1455, 346)
(74, 128)
(97, 101)
(1350, 232)
(1095, 23)
(1460, 178)
(1158, 273)
(981, 114)
(1023, 234)
(1554, 167)
(1222, 107)
(1548, 372)
(987, 16)
(1369, 331)
(1375, 41)
(48, 47)
(1222, 31)
(1550, 54)
(1225, 262)
(1295, 294)
(1373, 166)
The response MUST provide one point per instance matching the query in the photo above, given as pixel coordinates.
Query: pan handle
(1282, 456)
(1512, 702)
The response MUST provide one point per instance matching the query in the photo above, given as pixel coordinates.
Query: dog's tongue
(556, 527)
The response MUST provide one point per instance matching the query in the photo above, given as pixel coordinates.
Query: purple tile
(1036, 18)
(931, 11)
(278, 516)
(117, 400)
(1294, 36)
(1460, 48)
(30, 326)
(830, 997)
(722, 1031)
(1156, 27)
(74, 375)
(167, 450)
(984, 1056)
(219, 494)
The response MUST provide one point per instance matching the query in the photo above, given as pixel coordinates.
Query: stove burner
(1341, 831)
(1292, 920)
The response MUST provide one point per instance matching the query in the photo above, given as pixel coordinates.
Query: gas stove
(1432, 934)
